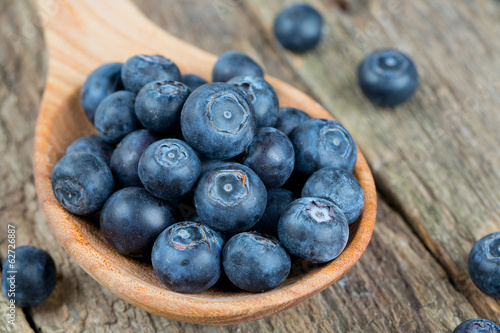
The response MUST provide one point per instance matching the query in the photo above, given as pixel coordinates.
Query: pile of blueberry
(266, 184)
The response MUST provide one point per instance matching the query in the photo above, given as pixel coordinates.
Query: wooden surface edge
(359, 302)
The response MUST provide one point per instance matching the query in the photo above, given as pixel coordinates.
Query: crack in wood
(30, 320)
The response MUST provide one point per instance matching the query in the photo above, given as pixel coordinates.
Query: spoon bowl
(82, 35)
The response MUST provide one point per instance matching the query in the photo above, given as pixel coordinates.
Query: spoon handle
(83, 34)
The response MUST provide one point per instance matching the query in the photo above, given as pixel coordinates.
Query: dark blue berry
(388, 77)
(125, 159)
(196, 218)
(295, 184)
(169, 168)
(321, 143)
(484, 264)
(115, 117)
(289, 118)
(82, 183)
(262, 96)
(159, 103)
(277, 201)
(234, 63)
(298, 27)
(271, 156)
(478, 326)
(33, 276)
(142, 69)
(230, 198)
(185, 208)
(254, 262)
(102, 82)
(218, 121)
(92, 144)
(193, 81)
(186, 257)
(132, 219)
(338, 186)
(208, 164)
(313, 229)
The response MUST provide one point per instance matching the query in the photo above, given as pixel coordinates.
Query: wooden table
(435, 159)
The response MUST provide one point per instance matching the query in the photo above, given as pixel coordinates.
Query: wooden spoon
(82, 35)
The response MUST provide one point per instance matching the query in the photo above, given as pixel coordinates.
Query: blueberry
(218, 121)
(295, 184)
(262, 96)
(321, 143)
(271, 156)
(142, 69)
(193, 81)
(208, 164)
(338, 186)
(230, 198)
(298, 27)
(132, 219)
(289, 118)
(477, 326)
(169, 168)
(33, 276)
(388, 77)
(115, 117)
(92, 144)
(313, 229)
(186, 257)
(82, 183)
(185, 209)
(196, 218)
(277, 201)
(125, 159)
(254, 262)
(234, 63)
(484, 264)
(102, 82)
(159, 103)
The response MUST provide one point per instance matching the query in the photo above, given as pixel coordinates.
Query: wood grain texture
(437, 156)
(15, 324)
(397, 286)
(19, 97)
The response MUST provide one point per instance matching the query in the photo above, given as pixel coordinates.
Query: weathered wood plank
(386, 291)
(17, 197)
(436, 157)
(12, 322)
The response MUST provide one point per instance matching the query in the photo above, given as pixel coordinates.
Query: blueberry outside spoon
(97, 32)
